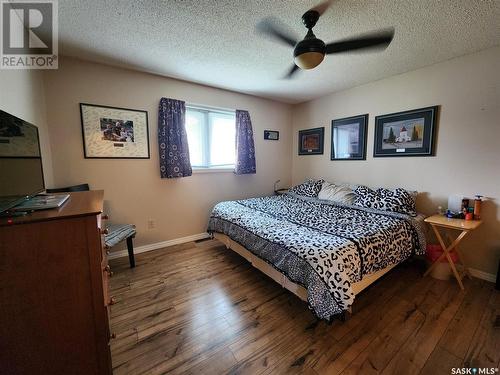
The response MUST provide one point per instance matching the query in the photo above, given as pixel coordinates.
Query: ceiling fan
(310, 51)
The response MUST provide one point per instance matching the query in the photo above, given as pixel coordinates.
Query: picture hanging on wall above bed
(311, 141)
(111, 132)
(349, 138)
(409, 133)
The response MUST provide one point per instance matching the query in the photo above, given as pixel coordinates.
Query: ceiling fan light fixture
(309, 60)
(309, 52)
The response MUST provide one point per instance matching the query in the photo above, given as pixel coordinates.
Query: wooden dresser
(54, 291)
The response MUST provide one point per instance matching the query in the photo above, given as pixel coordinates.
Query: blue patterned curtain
(245, 149)
(172, 139)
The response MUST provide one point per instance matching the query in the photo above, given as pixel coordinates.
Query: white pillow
(336, 193)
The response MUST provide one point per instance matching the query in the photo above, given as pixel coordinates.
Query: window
(211, 137)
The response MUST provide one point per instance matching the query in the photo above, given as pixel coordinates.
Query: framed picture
(311, 141)
(112, 132)
(271, 135)
(349, 138)
(409, 133)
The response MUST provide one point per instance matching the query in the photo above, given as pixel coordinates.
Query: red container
(433, 252)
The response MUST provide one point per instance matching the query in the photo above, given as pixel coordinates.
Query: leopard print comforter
(320, 245)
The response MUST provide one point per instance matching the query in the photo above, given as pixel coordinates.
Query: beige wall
(22, 95)
(467, 157)
(466, 161)
(134, 192)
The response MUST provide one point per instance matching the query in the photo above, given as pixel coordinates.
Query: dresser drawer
(106, 274)
(105, 286)
(101, 220)
(101, 225)
(104, 252)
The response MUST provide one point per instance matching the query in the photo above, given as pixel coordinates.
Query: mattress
(323, 246)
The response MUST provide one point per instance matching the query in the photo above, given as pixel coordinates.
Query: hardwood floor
(199, 308)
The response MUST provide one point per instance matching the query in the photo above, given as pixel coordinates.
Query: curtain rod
(208, 107)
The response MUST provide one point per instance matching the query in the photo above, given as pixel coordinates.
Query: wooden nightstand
(464, 226)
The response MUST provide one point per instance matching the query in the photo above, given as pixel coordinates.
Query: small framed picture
(112, 132)
(409, 133)
(311, 141)
(271, 135)
(349, 138)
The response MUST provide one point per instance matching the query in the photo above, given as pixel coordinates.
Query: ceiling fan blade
(291, 72)
(272, 27)
(322, 7)
(380, 39)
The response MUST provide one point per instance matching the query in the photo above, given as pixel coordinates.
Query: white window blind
(211, 137)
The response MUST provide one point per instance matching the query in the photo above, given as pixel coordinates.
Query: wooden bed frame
(284, 281)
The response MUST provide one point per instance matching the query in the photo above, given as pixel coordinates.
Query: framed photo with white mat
(113, 132)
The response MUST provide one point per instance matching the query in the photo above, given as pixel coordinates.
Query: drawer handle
(112, 300)
(105, 231)
(108, 270)
(104, 217)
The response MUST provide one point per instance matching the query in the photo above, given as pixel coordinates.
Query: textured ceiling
(214, 41)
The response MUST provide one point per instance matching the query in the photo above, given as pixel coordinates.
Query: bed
(324, 252)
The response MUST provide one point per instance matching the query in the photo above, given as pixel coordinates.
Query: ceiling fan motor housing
(309, 45)
(310, 18)
(309, 52)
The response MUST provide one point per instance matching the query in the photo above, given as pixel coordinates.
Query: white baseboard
(158, 245)
(483, 275)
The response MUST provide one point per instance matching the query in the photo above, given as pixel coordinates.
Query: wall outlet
(151, 224)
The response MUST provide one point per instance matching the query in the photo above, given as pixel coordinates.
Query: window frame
(207, 138)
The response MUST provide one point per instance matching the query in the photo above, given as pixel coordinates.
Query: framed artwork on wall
(349, 138)
(311, 141)
(112, 132)
(409, 133)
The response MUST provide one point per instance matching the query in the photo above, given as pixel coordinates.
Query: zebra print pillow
(397, 200)
(309, 188)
